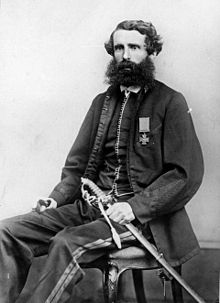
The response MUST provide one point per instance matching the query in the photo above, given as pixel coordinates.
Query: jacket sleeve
(182, 162)
(68, 188)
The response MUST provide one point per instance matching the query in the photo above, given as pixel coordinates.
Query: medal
(144, 129)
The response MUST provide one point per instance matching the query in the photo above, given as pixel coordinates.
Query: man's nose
(126, 54)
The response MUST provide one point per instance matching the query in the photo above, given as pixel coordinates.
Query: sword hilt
(99, 194)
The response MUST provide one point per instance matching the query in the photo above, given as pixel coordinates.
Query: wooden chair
(137, 259)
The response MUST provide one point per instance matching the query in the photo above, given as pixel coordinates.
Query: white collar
(133, 89)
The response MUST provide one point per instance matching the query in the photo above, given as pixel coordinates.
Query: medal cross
(144, 139)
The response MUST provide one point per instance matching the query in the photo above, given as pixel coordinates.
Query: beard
(128, 73)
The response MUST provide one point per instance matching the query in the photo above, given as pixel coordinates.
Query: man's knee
(6, 237)
(4, 229)
(9, 228)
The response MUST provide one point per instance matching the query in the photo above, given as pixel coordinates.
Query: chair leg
(177, 288)
(110, 283)
(139, 285)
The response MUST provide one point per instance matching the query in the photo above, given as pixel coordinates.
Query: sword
(99, 200)
(101, 197)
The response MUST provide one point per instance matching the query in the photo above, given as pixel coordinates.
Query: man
(138, 144)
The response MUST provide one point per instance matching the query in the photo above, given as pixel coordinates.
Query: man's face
(129, 45)
(131, 64)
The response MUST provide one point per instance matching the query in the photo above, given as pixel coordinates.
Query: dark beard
(128, 73)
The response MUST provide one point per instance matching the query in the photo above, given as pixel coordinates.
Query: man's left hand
(121, 213)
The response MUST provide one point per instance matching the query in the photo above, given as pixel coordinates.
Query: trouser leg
(26, 236)
(19, 239)
(69, 248)
(15, 260)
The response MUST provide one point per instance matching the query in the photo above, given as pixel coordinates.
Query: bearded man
(138, 144)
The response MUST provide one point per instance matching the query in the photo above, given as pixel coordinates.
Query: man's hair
(152, 40)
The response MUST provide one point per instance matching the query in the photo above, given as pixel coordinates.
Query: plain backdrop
(52, 64)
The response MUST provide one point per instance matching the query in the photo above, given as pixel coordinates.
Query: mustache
(126, 66)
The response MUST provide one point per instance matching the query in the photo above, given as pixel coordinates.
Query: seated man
(138, 145)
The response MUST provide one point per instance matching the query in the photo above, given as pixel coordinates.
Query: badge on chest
(144, 129)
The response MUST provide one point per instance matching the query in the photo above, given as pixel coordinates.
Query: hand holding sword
(105, 200)
(119, 212)
(115, 235)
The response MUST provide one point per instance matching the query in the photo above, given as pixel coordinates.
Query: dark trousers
(70, 235)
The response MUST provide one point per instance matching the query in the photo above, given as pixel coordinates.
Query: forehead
(123, 36)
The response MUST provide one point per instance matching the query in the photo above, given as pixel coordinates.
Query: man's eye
(134, 47)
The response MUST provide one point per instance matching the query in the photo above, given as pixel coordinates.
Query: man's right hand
(45, 203)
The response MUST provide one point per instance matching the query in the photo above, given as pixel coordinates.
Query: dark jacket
(164, 174)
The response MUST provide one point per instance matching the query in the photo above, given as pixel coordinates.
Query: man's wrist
(51, 203)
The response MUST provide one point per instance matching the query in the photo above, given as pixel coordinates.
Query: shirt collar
(133, 89)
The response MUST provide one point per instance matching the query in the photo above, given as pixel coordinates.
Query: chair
(136, 259)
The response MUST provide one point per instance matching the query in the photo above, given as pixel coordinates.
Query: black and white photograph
(109, 151)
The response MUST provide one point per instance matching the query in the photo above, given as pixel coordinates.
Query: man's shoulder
(165, 89)
(169, 98)
(168, 94)
(109, 92)
(99, 99)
